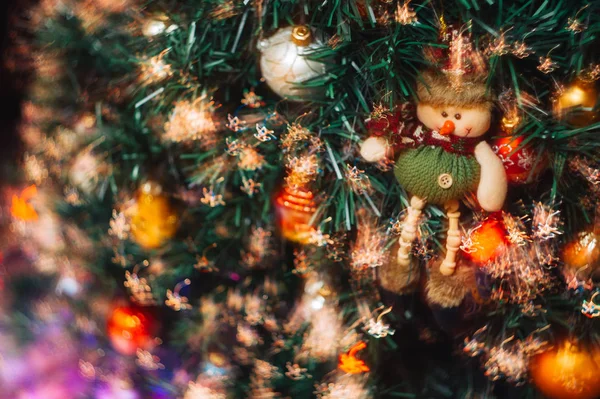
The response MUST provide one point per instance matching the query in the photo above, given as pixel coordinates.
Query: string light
(369, 249)
(191, 121)
(404, 14)
(250, 159)
(155, 70)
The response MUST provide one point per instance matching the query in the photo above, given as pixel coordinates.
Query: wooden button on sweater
(445, 180)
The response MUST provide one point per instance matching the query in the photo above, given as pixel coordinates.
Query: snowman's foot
(449, 291)
(400, 278)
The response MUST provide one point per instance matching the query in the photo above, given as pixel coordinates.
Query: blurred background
(12, 82)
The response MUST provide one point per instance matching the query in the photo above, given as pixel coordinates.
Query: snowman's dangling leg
(409, 229)
(453, 239)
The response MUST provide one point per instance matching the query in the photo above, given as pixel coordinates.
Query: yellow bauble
(153, 221)
(576, 104)
(285, 62)
(567, 372)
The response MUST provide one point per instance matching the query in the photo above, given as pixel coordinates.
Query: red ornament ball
(488, 240)
(130, 329)
(521, 162)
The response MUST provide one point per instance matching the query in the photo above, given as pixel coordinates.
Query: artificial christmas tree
(214, 195)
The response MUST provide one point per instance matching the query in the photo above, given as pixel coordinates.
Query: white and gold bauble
(285, 62)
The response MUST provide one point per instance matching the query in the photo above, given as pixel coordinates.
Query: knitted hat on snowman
(458, 76)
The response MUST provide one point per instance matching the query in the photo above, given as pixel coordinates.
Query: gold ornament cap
(301, 35)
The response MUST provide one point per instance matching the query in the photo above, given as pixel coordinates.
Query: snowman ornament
(441, 155)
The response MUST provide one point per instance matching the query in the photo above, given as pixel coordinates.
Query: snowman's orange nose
(447, 129)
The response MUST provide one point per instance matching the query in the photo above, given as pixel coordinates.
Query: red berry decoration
(130, 329)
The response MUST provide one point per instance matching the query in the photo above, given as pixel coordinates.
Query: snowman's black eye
(457, 116)
(444, 114)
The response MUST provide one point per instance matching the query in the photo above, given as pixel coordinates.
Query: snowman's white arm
(493, 185)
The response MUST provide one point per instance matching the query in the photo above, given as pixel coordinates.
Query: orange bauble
(567, 372)
(295, 208)
(130, 329)
(577, 103)
(583, 251)
(521, 162)
(153, 220)
(489, 240)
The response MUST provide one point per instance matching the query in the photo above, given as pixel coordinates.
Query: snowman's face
(467, 122)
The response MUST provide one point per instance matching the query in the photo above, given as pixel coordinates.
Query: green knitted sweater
(418, 170)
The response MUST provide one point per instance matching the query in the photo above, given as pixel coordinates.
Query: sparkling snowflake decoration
(369, 248)
(247, 336)
(547, 65)
(498, 47)
(211, 199)
(515, 230)
(87, 370)
(378, 329)
(263, 134)
(35, 169)
(357, 179)
(545, 222)
(295, 372)
(199, 391)
(72, 196)
(154, 70)
(252, 100)
(320, 239)
(405, 15)
(343, 387)
(191, 121)
(250, 187)
(140, 290)
(234, 147)
(250, 159)
(176, 301)
(295, 134)
(302, 263)
(575, 25)
(302, 170)
(521, 50)
(589, 308)
(234, 123)
(119, 225)
(147, 360)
